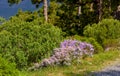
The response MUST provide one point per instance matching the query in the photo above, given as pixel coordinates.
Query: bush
(97, 47)
(7, 68)
(106, 29)
(27, 42)
(111, 43)
(69, 50)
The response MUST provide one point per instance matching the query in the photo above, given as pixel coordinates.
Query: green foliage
(108, 43)
(72, 23)
(94, 63)
(27, 42)
(7, 68)
(27, 15)
(52, 13)
(98, 48)
(65, 15)
(2, 20)
(106, 29)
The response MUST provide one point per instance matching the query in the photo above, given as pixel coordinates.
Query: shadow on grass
(106, 73)
(85, 73)
(102, 73)
(72, 74)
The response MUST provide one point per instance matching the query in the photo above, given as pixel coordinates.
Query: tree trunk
(109, 5)
(79, 8)
(100, 10)
(45, 10)
(91, 6)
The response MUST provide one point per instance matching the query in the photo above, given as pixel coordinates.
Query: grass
(87, 65)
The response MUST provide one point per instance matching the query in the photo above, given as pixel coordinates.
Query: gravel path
(111, 70)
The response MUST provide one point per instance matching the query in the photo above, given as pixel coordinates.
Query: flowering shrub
(97, 47)
(68, 51)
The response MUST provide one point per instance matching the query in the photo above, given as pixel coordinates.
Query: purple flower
(69, 49)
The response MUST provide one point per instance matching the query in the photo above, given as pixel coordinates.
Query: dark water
(7, 11)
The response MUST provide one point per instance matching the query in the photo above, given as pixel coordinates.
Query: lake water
(6, 11)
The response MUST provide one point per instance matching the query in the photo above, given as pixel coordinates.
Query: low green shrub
(111, 43)
(27, 42)
(98, 48)
(7, 68)
(106, 29)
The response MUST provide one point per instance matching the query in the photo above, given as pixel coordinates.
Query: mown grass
(87, 65)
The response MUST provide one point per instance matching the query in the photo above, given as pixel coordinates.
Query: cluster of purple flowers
(69, 50)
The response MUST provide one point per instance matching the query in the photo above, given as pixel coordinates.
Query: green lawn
(86, 66)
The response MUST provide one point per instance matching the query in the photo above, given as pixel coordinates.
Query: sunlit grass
(87, 65)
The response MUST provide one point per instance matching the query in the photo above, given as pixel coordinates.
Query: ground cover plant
(111, 44)
(7, 68)
(87, 65)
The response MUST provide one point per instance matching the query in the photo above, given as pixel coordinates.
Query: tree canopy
(73, 15)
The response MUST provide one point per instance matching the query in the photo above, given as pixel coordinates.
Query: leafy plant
(69, 50)
(7, 68)
(111, 44)
(106, 29)
(27, 42)
(97, 47)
